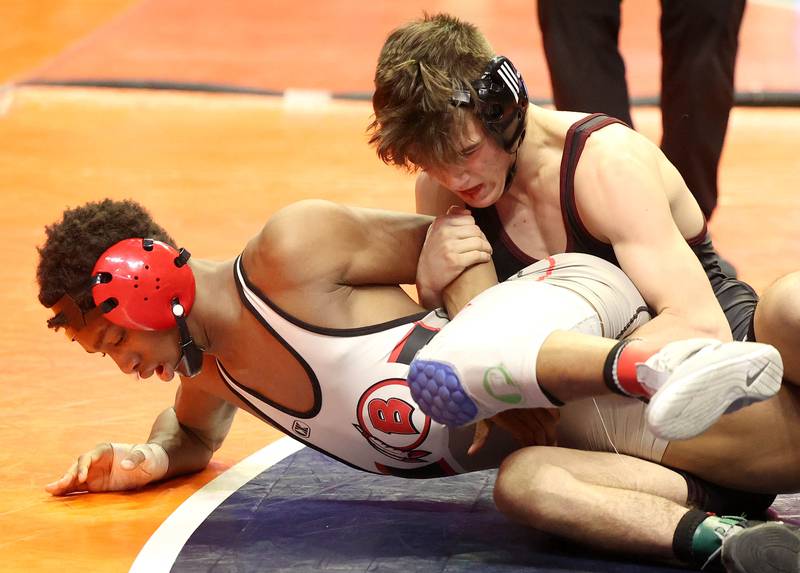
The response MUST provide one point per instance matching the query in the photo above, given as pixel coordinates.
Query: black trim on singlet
(347, 332)
(579, 239)
(312, 376)
(506, 255)
(416, 339)
(279, 427)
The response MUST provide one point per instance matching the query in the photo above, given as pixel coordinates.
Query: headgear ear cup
(143, 284)
(136, 281)
(502, 102)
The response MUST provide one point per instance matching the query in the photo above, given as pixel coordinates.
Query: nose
(453, 178)
(126, 362)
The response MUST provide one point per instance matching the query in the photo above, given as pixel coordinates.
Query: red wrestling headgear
(143, 284)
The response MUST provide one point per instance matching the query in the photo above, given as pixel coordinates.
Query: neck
(212, 304)
(529, 158)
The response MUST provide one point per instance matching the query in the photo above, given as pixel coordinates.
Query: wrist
(429, 298)
(159, 466)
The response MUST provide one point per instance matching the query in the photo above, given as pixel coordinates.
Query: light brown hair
(420, 66)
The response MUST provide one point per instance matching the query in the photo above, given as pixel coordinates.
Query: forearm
(467, 286)
(188, 452)
(668, 327)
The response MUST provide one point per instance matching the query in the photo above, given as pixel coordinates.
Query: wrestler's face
(479, 179)
(142, 353)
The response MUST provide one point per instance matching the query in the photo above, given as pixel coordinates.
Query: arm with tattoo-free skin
(182, 440)
(622, 198)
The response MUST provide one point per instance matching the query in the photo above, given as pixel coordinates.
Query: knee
(777, 321)
(778, 311)
(527, 483)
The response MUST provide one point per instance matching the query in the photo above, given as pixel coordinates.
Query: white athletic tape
(154, 466)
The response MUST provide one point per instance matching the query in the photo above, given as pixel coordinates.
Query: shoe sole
(688, 404)
(768, 548)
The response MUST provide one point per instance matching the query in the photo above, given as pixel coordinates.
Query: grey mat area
(310, 513)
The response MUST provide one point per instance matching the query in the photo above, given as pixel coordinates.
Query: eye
(120, 339)
(471, 149)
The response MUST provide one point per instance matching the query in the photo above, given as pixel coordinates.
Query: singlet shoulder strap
(578, 237)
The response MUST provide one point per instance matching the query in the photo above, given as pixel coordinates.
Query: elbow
(712, 325)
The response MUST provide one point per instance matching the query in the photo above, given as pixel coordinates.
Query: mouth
(471, 192)
(165, 372)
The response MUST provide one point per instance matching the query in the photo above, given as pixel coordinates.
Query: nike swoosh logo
(752, 378)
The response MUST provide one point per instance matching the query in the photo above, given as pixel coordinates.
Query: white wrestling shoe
(696, 381)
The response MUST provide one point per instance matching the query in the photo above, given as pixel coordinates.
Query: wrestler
(539, 182)
(310, 332)
(536, 183)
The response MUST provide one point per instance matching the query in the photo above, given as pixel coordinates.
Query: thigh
(777, 322)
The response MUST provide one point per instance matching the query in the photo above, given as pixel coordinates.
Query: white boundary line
(159, 553)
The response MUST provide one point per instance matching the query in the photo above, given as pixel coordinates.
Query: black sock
(684, 533)
(610, 367)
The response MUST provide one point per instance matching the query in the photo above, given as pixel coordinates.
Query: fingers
(458, 210)
(66, 483)
(530, 427)
(482, 430)
(75, 478)
(84, 463)
(551, 426)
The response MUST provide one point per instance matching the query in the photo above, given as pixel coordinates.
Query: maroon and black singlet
(738, 299)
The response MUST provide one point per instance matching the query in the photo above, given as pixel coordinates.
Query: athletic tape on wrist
(153, 468)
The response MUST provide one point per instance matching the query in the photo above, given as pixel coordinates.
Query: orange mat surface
(333, 44)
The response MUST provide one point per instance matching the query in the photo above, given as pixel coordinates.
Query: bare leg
(570, 364)
(777, 322)
(603, 500)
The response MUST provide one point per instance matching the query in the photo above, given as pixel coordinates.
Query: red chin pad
(143, 282)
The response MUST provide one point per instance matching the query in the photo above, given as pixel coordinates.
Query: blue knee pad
(437, 390)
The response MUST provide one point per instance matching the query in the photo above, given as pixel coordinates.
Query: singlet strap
(578, 237)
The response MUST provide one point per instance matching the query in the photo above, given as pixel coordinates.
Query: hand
(113, 467)
(529, 426)
(453, 243)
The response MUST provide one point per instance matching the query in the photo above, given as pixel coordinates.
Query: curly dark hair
(74, 244)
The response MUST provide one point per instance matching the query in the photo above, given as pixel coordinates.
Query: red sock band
(631, 355)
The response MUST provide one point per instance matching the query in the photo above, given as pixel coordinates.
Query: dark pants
(699, 41)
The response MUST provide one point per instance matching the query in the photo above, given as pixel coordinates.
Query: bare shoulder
(616, 154)
(618, 158)
(298, 228)
(295, 238)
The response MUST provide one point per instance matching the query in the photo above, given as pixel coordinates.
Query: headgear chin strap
(144, 284)
(501, 106)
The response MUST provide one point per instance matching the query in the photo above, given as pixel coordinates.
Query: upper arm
(627, 206)
(324, 243)
(431, 198)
